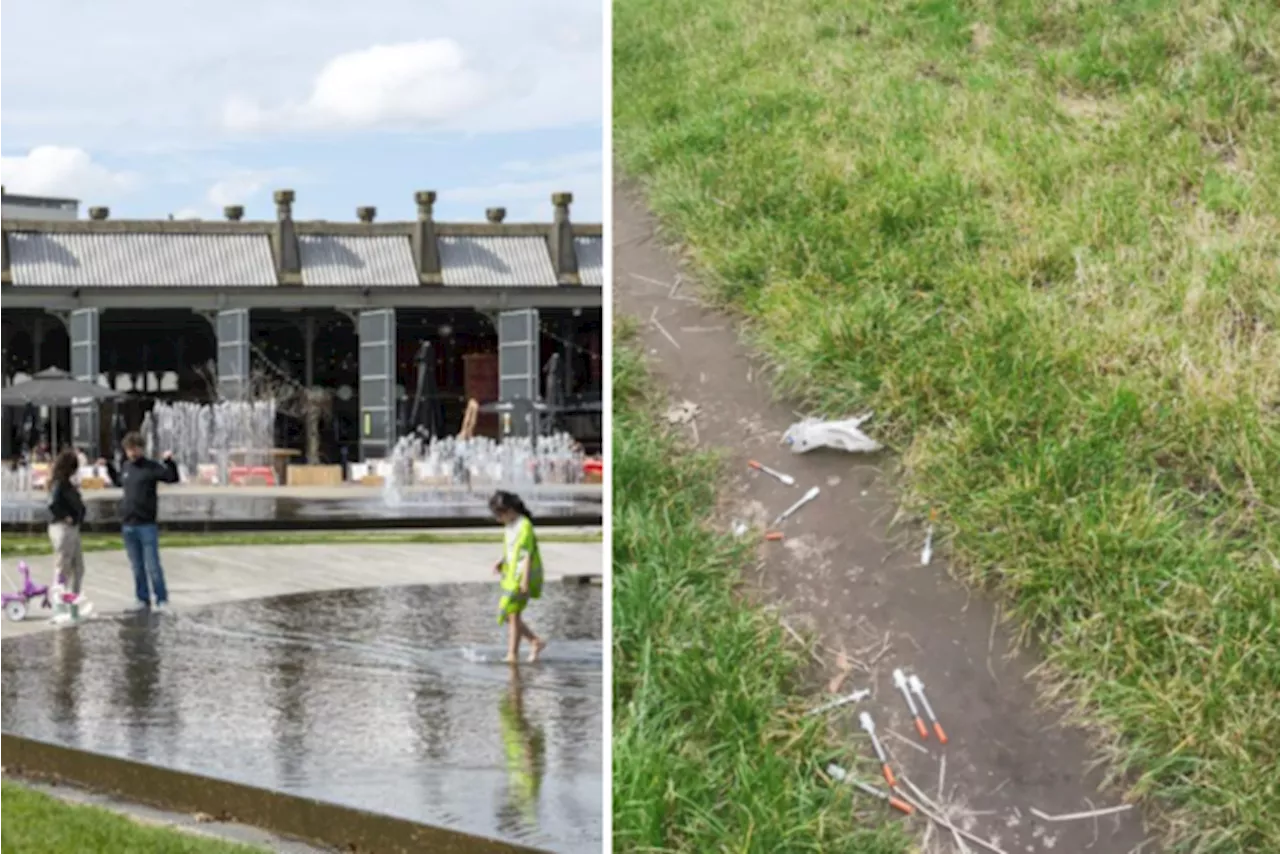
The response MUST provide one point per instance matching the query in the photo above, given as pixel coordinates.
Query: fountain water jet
(426, 470)
(212, 433)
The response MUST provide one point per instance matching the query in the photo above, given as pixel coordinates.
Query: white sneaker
(161, 606)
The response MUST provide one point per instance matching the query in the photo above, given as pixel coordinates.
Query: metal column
(84, 367)
(518, 366)
(232, 327)
(377, 382)
(5, 435)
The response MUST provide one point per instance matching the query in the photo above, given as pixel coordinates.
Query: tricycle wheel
(16, 611)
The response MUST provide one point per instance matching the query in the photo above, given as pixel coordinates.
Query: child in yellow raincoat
(520, 570)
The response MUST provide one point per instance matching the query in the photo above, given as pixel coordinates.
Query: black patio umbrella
(53, 387)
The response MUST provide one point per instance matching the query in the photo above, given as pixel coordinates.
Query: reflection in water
(525, 746)
(68, 663)
(379, 699)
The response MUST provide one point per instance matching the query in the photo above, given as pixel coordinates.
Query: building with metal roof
(116, 297)
(14, 206)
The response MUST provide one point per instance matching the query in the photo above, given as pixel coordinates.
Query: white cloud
(416, 83)
(54, 170)
(152, 74)
(188, 213)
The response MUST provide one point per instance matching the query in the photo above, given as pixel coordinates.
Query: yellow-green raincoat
(521, 541)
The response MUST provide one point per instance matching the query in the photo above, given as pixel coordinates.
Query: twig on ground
(648, 279)
(657, 324)
(948, 823)
(942, 776)
(1093, 806)
(931, 811)
(908, 742)
(1075, 816)
(991, 644)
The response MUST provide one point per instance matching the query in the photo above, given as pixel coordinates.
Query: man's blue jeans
(142, 543)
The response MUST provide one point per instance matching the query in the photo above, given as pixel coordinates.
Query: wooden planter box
(308, 475)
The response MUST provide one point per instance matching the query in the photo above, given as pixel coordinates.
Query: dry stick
(942, 776)
(908, 742)
(1095, 823)
(1079, 815)
(648, 279)
(936, 814)
(991, 644)
(657, 324)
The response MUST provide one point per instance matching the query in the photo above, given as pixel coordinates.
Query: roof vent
(495, 215)
(234, 213)
(366, 214)
(99, 213)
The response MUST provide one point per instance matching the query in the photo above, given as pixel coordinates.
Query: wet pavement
(392, 700)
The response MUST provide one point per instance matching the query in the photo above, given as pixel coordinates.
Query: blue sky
(156, 108)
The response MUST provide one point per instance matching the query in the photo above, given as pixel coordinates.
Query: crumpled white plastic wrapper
(845, 435)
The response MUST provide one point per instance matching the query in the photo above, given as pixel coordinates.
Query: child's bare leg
(536, 644)
(513, 637)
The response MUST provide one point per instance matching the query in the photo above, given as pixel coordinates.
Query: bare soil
(854, 580)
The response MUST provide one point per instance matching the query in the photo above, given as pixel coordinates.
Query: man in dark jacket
(138, 477)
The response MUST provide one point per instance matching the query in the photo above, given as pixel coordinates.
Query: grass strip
(36, 823)
(709, 750)
(26, 545)
(1042, 241)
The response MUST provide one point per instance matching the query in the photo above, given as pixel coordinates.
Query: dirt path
(842, 573)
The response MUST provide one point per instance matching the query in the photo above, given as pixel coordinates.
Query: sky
(171, 107)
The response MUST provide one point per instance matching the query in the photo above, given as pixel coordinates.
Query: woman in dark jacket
(66, 510)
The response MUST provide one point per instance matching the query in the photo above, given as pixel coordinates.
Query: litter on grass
(785, 479)
(845, 435)
(835, 772)
(790, 511)
(856, 696)
(683, 412)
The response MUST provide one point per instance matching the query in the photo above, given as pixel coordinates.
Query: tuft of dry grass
(1043, 239)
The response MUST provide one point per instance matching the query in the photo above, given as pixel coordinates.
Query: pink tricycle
(15, 604)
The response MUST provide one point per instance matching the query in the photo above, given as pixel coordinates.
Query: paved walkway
(206, 576)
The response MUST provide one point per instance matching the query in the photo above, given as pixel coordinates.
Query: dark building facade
(359, 308)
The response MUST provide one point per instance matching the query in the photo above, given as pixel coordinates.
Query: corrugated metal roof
(590, 260)
(339, 259)
(141, 260)
(496, 261)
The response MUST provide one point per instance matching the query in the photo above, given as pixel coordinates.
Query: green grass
(709, 750)
(35, 823)
(25, 545)
(1042, 241)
